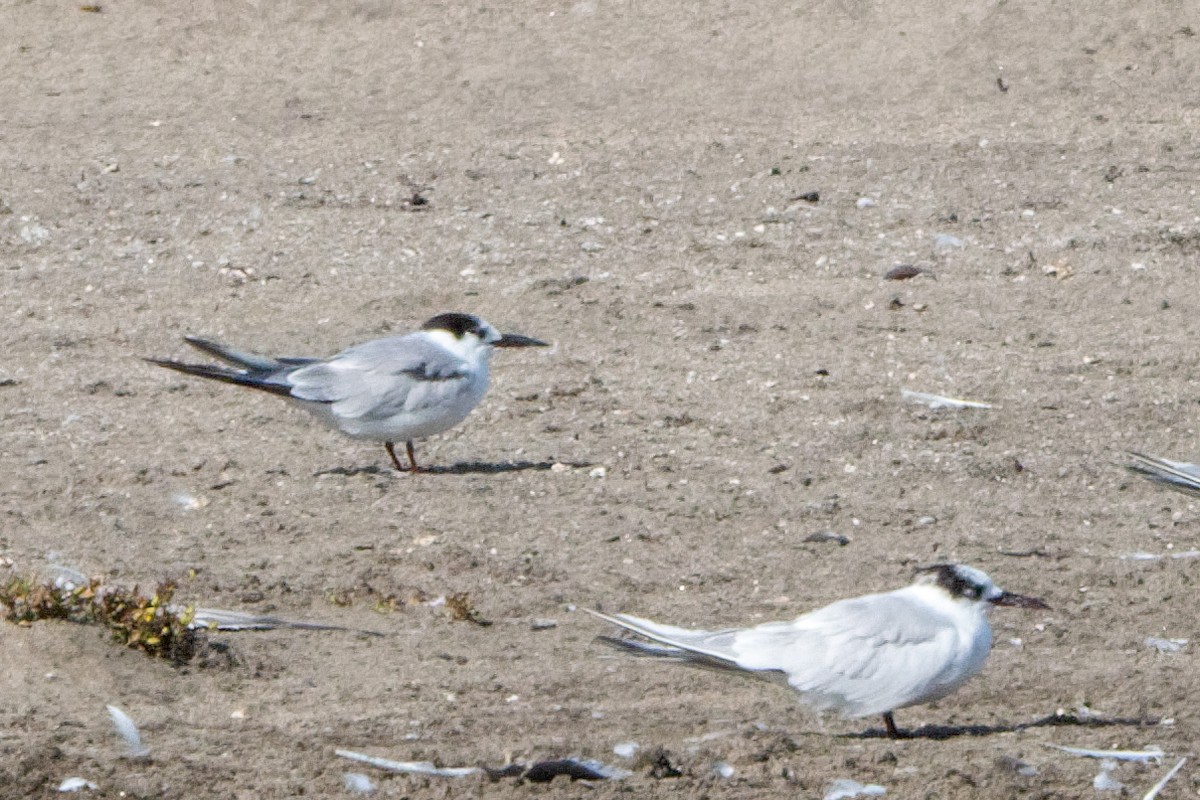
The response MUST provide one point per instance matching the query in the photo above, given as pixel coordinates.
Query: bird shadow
(498, 468)
(940, 732)
(373, 469)
(460, 468)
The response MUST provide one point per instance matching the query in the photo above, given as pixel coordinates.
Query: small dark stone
(902, 272)
(828, 536)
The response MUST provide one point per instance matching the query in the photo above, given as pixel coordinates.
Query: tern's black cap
(456, 323)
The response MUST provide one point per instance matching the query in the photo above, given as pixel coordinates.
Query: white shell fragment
(1104, 781)
(128, 731)
(1141, 556)
(75, 785)
(358, 783)
(938, 401)
(414, 767)
(225, 620)
(537, 772)
(188, 501)
(1149, 754)
(1166, 645)
(1158, 787)
(847, 787)
(944, 241)
(626, 749)
(67, 578)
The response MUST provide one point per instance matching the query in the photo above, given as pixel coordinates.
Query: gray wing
(1176, 474)
(381, 378)
(861, 656)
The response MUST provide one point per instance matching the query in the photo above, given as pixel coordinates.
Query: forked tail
(257, 372)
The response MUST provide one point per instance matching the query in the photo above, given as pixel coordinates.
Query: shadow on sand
(461, 468)
(1052, 721)
(490, 468)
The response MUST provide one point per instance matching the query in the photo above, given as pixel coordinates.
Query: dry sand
(620, 178)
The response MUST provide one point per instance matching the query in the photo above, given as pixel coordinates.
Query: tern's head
(468, 332)
(974, 586)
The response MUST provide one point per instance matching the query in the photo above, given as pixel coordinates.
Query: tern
(1176, 474)
(859, 657)
(390, 390)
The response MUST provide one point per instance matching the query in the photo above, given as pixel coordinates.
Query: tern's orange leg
(412, 456)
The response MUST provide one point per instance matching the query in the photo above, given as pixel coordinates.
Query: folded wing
(867, 655)
(382, 378)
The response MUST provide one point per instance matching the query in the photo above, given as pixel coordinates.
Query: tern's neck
(469, 348)
(957, 607)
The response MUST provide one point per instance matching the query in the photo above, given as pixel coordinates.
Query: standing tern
(862, 656)
(390, 390)
(1176, 474)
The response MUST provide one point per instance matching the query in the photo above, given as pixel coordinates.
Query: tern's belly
(403, 425)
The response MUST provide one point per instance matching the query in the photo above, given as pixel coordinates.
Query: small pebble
(902, 272)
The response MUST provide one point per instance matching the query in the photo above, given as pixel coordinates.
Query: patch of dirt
(698, 207)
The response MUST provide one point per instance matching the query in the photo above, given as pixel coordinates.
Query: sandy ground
(621, 179)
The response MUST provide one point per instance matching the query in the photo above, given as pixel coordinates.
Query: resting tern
(395, 389)
(862, 656)
(1176, 474)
